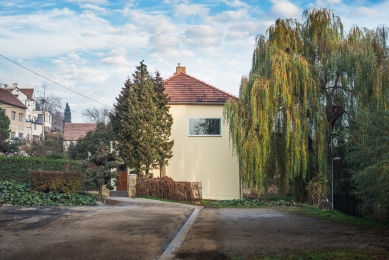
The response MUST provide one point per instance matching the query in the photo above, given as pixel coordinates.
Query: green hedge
(18, 168)
(59, 182)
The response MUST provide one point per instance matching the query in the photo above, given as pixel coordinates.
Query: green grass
(338, 254)
(337, 216)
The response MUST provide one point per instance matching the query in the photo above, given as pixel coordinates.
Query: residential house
(33, 117)
(202, 150)
(16, 111)
(73, 131)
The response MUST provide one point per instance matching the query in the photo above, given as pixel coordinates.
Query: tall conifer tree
(67, 114)
(141, 122)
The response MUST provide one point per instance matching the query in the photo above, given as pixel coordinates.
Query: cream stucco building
(201, 151)
(16, 112)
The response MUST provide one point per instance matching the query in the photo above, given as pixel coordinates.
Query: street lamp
(332, 182)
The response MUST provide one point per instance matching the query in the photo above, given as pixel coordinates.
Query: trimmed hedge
(167, 188)
(19, 168)
(59, 182)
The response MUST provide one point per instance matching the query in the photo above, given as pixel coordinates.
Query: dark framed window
(205, 127)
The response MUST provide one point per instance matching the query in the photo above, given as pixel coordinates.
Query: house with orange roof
(201, 151)
(16, 112)
(74, 131)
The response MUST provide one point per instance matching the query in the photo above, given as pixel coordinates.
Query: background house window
(20, 135)
(20, 117)
(13, 115)
(34, 126)
(205, 126)
(12, 135)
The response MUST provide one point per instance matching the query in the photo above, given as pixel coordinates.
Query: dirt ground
(143, 230)
(221, 233)
(132, 232)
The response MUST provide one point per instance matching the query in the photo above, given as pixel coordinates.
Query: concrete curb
(152, 202)
(173, 247)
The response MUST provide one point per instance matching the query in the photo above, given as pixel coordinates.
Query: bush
(18, 168)
(317, 190)
(18, 194)
(59, 182)
(166, 188)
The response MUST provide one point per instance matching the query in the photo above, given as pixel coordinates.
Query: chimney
(180, 69)
(15, 85)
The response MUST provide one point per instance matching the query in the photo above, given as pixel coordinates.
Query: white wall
(203, 158)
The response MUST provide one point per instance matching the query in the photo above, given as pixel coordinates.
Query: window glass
(13, 115)
(205, 126)
(20, 117)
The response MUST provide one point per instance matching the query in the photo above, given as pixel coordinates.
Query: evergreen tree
(368, 158)
(163, 125)
(304, 78)
(99, 169)
(67, 114)
(4, 129)
(141, 122)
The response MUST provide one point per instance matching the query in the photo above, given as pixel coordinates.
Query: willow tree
(306, 80)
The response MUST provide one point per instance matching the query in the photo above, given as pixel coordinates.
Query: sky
(93, 46)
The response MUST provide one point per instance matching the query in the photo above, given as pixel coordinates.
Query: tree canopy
(4, 128)
(142, 123)
(90, 142)
(307, 79)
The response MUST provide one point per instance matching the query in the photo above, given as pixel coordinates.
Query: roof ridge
(205, 83)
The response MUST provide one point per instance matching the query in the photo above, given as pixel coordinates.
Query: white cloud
(94, 8)
(230, 16)
(235, 3)
(116, 58)
(185, 10)
(202, 36)
(367, 11)
(286, 9)
(96, 2)
(73, 72)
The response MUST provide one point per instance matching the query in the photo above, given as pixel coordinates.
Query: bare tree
(54, 106)
(96, 115)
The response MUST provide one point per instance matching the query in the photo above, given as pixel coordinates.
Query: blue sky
(91, 46)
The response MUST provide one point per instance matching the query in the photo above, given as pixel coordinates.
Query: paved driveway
(221, 233)
(136, 231)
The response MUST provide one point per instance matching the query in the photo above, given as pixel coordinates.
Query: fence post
(131, 185)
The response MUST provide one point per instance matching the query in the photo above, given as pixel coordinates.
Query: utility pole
(43, 113)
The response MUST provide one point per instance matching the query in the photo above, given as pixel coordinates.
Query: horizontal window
(205, 127)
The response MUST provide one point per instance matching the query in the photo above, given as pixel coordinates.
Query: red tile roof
(28, 91)
(8, 98)
(73, 131)
(183, 88)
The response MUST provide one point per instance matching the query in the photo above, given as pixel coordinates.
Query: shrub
(18, 168)
(166, 188)
(18, 194)
(59, 182)
(317, 190)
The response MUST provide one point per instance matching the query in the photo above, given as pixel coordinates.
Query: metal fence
(347, 203)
